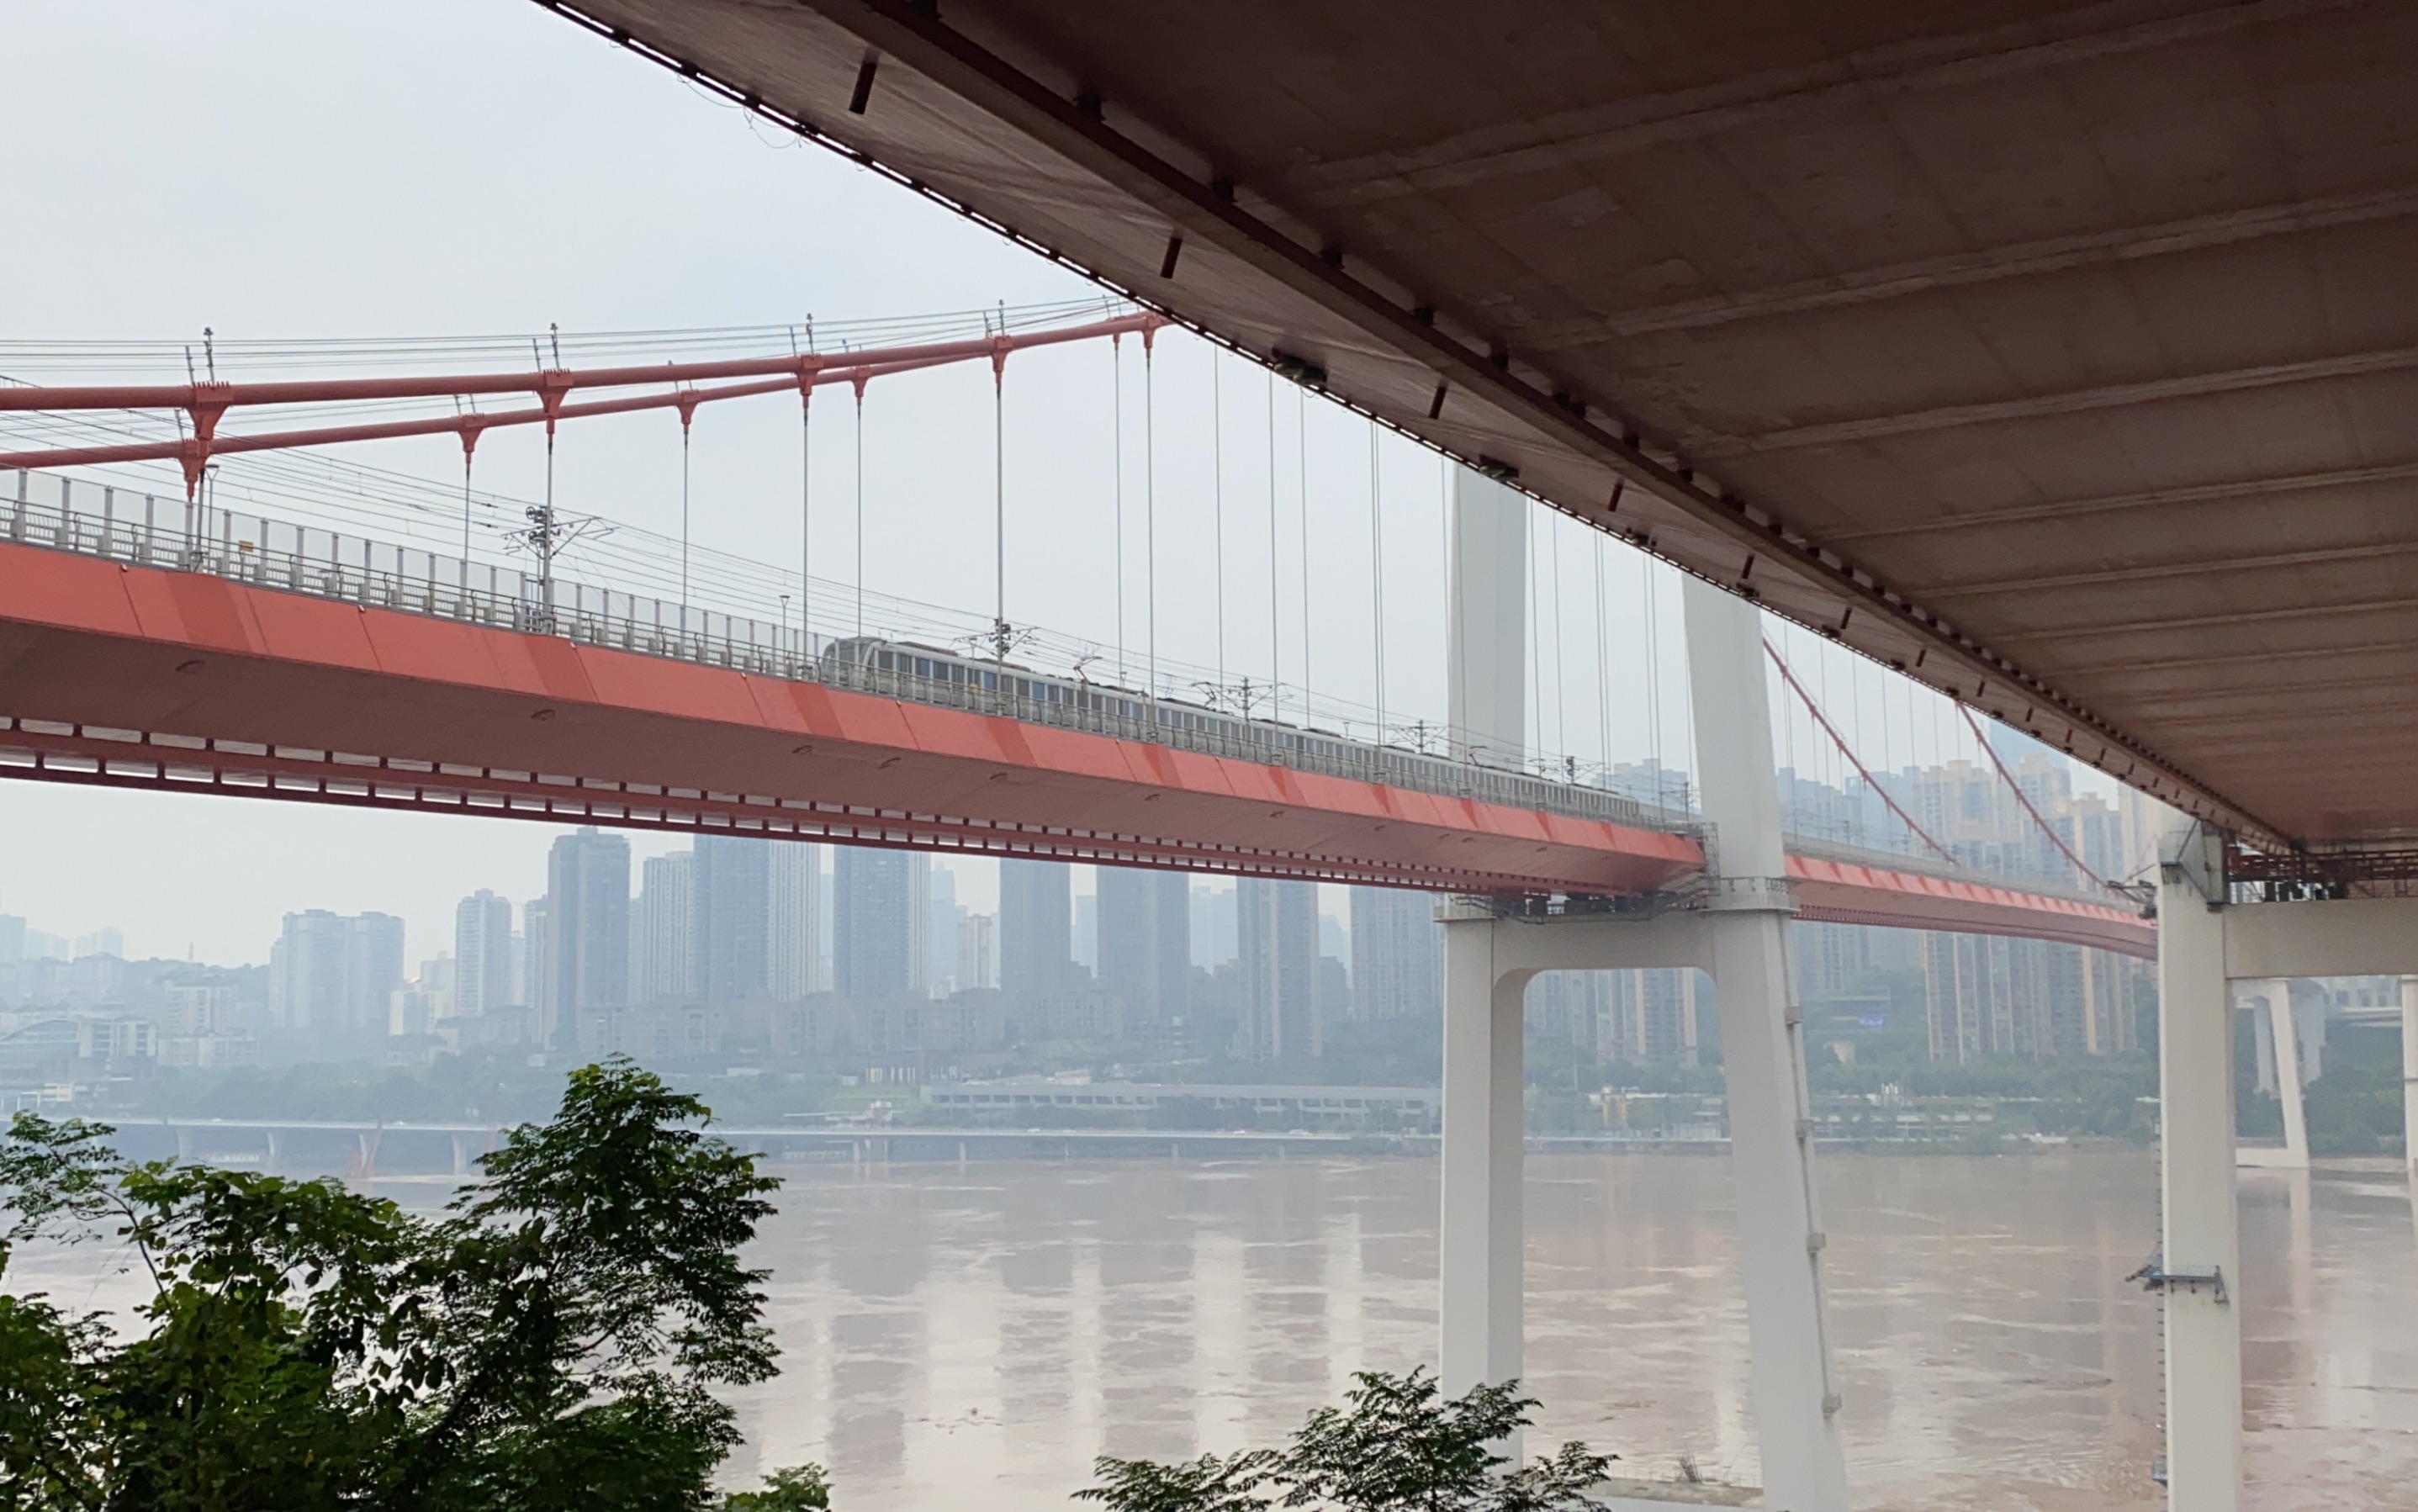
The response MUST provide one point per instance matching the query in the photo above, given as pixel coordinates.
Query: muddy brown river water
(975, 1338)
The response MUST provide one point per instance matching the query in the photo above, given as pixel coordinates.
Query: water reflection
(950, 1333)
(992, 1330)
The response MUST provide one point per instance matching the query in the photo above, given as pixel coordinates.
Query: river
(985, 1334)
(975, 1336)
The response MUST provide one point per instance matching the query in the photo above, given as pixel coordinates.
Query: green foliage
(1396, 1444)
(798, 1489)
(1208, 1484)
(551, 1344)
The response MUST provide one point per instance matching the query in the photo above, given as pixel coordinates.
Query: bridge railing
(121, 524)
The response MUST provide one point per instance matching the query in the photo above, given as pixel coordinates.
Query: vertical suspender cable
(1561, 653)
(1150, 514)
(1653, 672)
(1602, 667)
(1117, 456)
(1301, 462)
(806, 499)
(469, 444)
(1276, 645)
(1377, 576)
(1535, 734)
(860, 513)
(1217, 497)
(999, 499)
(685, 414)
(805, 521)
(1454, 605)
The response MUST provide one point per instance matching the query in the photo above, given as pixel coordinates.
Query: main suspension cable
(1819, 718)
(2025, 799)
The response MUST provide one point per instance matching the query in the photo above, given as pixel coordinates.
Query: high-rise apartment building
(1035, 931)
(537, 970)
(1277, 929)
(794, 955)
(881, 907)
(1397, 954)
(978, 951)
(1213, 932)
(941, 932)
(482, 956)
(1145, 942)
(666, 936)
(733, 917)
(330, 975)
(587, 975)
(1086, 952)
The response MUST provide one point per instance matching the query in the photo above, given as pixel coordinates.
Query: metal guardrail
(119, 524)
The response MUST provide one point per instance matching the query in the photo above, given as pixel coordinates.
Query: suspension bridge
(174, 644)
(2064, 407)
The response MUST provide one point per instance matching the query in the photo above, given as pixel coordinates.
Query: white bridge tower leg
(2200, 1254)
(1486, 675)
(2410, 1074)
(1763, 1059)
(1481, 1274)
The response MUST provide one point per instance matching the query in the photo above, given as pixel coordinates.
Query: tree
(799, 1488)
(552, 1343)
(1396, 1444)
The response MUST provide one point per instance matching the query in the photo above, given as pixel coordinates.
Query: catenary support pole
(2199, 1256)
(1763, 1059)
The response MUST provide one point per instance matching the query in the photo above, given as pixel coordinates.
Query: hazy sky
(316, 168)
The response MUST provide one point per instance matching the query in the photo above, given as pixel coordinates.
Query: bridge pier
(2279, 1038)
(2207, 943)
(2199, 1269)
(1797, 1399)
(2410, 1075)
(1741, 939)
(1479, 1265)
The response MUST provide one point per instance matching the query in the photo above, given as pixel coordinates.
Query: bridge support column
(2200, 1265)
(1781, 1242)
(2278, 1039)
(2410, 1074)
(1480, 1271)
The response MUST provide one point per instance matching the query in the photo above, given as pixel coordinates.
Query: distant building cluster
(741, 945)
(862, 955)
(1980, 994)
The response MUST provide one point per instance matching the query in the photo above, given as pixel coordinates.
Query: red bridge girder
(122, 676)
